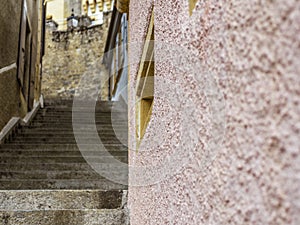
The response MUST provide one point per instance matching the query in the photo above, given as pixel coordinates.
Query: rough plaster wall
(252, 48)
(9, 99)
(65, 62)
(10, 12)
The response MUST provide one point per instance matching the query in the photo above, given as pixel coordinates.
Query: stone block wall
(251, 49)
(69, 57)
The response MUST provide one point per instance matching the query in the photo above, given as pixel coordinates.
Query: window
(145, 84)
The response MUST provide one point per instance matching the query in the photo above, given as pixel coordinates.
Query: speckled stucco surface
(252, 50)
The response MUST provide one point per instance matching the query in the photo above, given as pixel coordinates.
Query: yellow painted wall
(56, 9)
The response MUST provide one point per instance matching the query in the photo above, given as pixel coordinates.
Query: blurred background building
(60, 10)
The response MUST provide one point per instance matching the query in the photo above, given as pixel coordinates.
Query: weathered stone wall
(11, 98)
(252, 50)
(76, 5)
(10, 13)
(67, 60)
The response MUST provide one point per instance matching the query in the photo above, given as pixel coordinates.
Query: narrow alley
(118, 112)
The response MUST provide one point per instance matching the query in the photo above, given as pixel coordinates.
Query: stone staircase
(44, 179)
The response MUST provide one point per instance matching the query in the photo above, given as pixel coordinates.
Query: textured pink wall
(252, 48)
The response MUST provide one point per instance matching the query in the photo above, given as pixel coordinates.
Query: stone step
(48, 179)
(59, 159)
(80, 109)
(82, 104)
(29, 166)
(51, 116)
(87, 119)
(88, 130)
(57, 153)
(43, 136)
(76, 184)
(64, 101)
(83, 109)
(45, 174)
(64, 147)
(78, 126)
(63, 217)
(59, 140)
(41, 114)
(68, 112)
(29, 200)
(46, 137)
(82, 124)
(62, 123)
(33, 133)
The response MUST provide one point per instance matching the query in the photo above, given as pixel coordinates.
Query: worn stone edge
(14, 122)
(9, 129)
(16, 198)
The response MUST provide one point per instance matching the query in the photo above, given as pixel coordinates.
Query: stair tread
(64, 217)
(45, 154)
(29, 184)
(29, 200)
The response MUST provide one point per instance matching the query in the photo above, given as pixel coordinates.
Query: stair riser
(59, 200)
(59, 184)
(49, 167)
(40, 160)
(44, 175)
(82, 110)
(64, 147)
(53, 130)
(63, 217)
(70, 115)
(83, 126)
(110, 135)
(66, 141)
(84, 121)
(32, 153)
(70, 138)
(88, 121)
(49, 112)
(83, 116)
(60, 124)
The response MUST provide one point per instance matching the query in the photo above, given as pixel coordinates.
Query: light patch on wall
(192, 4)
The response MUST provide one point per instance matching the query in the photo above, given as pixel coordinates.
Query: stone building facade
(20, 57)
(224, 131)
(60, 10)
(69, 55)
